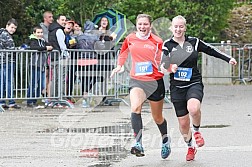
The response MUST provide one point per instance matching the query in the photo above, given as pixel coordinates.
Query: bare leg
(184, 127)
(137, 97)
(193, 106)
(156, 111)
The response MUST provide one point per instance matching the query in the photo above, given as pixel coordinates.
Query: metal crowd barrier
(78, 74)
(216, 71)
(20, 79)
(246, 68)
(88, 75)
(85, 73)
(241, 73)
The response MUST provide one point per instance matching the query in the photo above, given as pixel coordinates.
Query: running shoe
(137, 150)
(48, 103)
(191, 153)
(15, 106)
(59, 106)
(166, 150)
(4, 106)
(199, 139)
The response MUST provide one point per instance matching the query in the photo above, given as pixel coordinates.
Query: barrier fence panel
(215, 71)
(122, 81)
(246, 68)
(88, 73)
(29, 74)
(23, 74)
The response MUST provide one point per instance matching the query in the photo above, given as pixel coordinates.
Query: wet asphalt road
(102, 136)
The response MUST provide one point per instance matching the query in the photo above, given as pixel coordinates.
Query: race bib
(143, 68)
(183, 74)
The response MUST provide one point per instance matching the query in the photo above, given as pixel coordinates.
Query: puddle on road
(106, 155)
(103, 155)
(122, 128)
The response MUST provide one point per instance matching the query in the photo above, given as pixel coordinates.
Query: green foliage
(82, 10)
(205, 18)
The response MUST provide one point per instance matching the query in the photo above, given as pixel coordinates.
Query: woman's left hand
(232, 61)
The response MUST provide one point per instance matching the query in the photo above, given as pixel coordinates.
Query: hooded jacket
(6, 42)
(90, 38)
(38, 58)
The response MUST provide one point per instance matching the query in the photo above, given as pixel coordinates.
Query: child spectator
(37, 66)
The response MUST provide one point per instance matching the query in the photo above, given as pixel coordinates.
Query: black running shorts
(154, 90)
(180, 96)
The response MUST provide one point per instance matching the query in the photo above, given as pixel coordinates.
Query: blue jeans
(37, 84)
(7, 71)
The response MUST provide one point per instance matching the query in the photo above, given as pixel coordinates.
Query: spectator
(7, 61)
(69, 40)
(48, 19)
(87, 41)
(89, 38)
(71, 44)
(56, 38)
(106, 36)
(38, 64)
(77, 29)
(108, 39)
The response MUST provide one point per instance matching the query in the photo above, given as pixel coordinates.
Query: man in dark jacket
(7, 63)
(56, 38)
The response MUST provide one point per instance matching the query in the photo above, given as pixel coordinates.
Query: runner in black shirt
(180, 55)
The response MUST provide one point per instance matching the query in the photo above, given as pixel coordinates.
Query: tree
(15, 9)
(82, 10)
(205, 18)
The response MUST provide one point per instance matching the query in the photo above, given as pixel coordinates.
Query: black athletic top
(186, 57)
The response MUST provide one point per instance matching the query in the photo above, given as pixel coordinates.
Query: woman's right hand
(174, 68)
(115, 70)
(163, 70)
